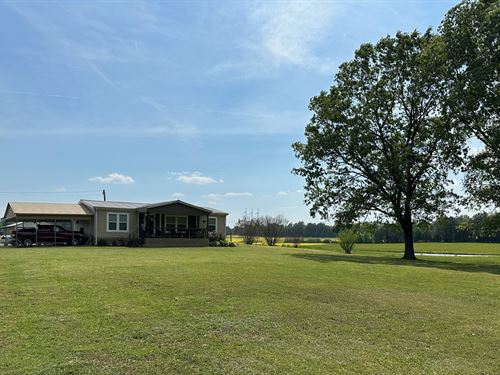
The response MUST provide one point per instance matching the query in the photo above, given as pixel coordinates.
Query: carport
(71, 216)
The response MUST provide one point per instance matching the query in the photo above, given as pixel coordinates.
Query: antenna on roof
(104, 194)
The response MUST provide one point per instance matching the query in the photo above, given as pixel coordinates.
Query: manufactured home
(172, 223)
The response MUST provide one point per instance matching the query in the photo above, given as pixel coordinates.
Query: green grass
(423, 247)
(246, 310)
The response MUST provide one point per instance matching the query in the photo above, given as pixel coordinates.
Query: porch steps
(175, 242)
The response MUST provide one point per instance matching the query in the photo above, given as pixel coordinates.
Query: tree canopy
(381, 139)
(470, 32)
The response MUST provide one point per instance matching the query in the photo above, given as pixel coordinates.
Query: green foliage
(273, 228)
(347, 239)
(220, 242)
(470, 33)
(135, 242)
(380, 139)
(102, 242)
(248, 227)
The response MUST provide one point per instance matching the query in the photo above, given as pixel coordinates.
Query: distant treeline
(301, 229)
(478, 228)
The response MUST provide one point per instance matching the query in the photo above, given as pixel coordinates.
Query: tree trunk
(408, 234)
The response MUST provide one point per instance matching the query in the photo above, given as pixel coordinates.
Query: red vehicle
(47, 234)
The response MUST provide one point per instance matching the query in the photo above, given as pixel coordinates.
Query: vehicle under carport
(69, 216)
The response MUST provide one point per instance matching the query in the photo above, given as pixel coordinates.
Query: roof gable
(29, 208)
(169, 203)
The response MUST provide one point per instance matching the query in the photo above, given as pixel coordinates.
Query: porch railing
(170, 233)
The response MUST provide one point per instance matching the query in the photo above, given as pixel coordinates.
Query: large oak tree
(471, 35)
(380, 140)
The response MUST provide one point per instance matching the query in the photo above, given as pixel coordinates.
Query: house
(172, 223)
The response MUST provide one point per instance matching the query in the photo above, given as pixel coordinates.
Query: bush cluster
(221, 243)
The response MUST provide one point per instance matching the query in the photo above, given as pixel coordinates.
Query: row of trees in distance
(481, 227)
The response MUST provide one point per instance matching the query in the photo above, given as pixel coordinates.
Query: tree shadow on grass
(364, 259)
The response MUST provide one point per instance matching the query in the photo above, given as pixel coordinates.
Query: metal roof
(28, 208)
(144, 206)
(108, 204)
(217, 212)
(160, 204)
(86, 207)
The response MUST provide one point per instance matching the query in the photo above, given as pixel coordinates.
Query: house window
(212, 224)
(117, 222)
(170, 222)
(175, 222)
(181, 222)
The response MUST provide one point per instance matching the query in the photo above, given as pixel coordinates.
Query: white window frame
(208, 222)
(117, 222)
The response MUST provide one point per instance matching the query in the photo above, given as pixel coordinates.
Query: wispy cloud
(234, 194)
(282, 193)
(231, 194)
(288, 33)
(177, 195)
(48, 95)
(125, 131)
(113, 178)
(196, 178)
(101, 74)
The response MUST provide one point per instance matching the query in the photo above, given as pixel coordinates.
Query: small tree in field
(249, 228)
(347, 239)
(273, 228)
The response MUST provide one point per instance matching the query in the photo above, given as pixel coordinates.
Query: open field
(423, 247)
(246, 310)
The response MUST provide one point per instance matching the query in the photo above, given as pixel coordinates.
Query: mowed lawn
(246, 310)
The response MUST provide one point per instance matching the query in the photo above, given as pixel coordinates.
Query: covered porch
(174, 224)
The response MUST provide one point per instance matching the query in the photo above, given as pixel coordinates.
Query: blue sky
(156, 101)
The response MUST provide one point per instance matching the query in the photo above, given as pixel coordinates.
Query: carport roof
(30, 208)
(110, 204)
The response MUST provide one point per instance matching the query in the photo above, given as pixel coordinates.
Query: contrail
(39, 94)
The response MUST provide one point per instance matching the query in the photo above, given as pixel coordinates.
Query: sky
(191, 100)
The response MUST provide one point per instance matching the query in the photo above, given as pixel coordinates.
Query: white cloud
(243, 194)
(177, 195)
(61, 190)
(196, 178)
(113, 178)
(231, 194)
(286, 33)
(282, 193)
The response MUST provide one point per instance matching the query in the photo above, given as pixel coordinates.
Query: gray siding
(221, 224)
(102, 224)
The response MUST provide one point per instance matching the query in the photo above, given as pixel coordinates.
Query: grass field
(247, 310)
(422, 247)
